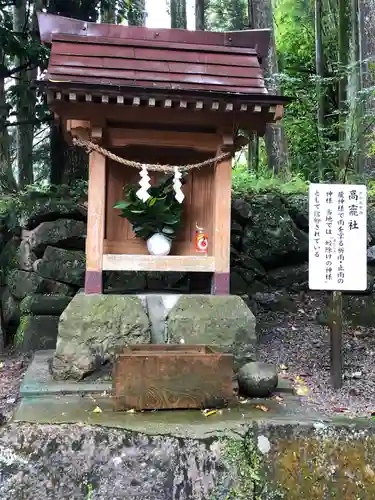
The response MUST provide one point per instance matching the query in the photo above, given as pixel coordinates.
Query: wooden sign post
(337, 252)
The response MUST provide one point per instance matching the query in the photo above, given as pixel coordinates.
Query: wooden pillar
(221, 227)
(95, 224)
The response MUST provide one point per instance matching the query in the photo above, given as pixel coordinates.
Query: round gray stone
(257, 379)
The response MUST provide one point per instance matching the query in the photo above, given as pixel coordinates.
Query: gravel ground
(300, 347)
(12, 369)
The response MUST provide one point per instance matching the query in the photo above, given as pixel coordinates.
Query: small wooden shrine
(169, 97)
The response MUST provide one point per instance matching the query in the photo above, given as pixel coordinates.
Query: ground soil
(300, 347)
(12, 369)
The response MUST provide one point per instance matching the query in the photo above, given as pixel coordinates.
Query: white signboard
(337, 237)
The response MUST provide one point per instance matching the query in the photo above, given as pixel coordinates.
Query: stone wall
(42, 261)
(271, 461)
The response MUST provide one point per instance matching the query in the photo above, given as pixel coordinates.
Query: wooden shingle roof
(162, 69)
(115, 55)
(127, 62)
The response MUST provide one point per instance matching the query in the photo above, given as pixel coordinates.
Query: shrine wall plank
(198, 203)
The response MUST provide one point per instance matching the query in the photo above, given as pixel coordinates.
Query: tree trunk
(57, 154)
(199, 15)
(69, 163)
(25, 104)
(137, 13)
(366, 11)
(343, 83)
(319, 64)
(7, 180)
(253, 145)
(108, 13)
(354, 89)
(178, 14)
(75, 165)
(262, 17)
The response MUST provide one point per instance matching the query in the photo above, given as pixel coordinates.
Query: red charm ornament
(201, 241)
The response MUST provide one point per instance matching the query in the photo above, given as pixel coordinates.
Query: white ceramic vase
(159, 244)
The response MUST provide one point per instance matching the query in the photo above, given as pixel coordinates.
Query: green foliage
(161, 213)
(315, 154)
(227, 16)
(13, 206)
(246, 183)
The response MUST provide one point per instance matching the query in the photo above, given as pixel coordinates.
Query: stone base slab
(61, 449)
(38, 380)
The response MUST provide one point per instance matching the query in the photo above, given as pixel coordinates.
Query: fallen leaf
(130, 411)
(278, 398)
(262, 407)
(244, 401)
(302, 391)
(369, 472)
(97, 410)
(340, 410)
(208, 413)
(283, 367)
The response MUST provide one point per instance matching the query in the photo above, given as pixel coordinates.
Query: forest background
(321, 56)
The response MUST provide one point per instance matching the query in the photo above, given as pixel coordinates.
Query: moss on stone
(9, 259)
(20, 333)
(272, 232)
(243, 458)
(42, 304)
(319, 467)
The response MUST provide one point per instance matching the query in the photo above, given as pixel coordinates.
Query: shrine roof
(101, 55)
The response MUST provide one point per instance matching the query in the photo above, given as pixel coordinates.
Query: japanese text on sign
(337, 237)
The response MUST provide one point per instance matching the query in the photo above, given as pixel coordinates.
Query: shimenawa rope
(90, 146)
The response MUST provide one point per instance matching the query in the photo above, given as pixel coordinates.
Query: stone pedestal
(93, 327)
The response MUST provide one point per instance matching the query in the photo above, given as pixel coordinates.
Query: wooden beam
(138, 247)
(171, 263)
(118, 137)
(170, 116)
(228, 141)
(96, 134)
(279, 112)
(79, 128)
(95, 223)
(221, 225)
